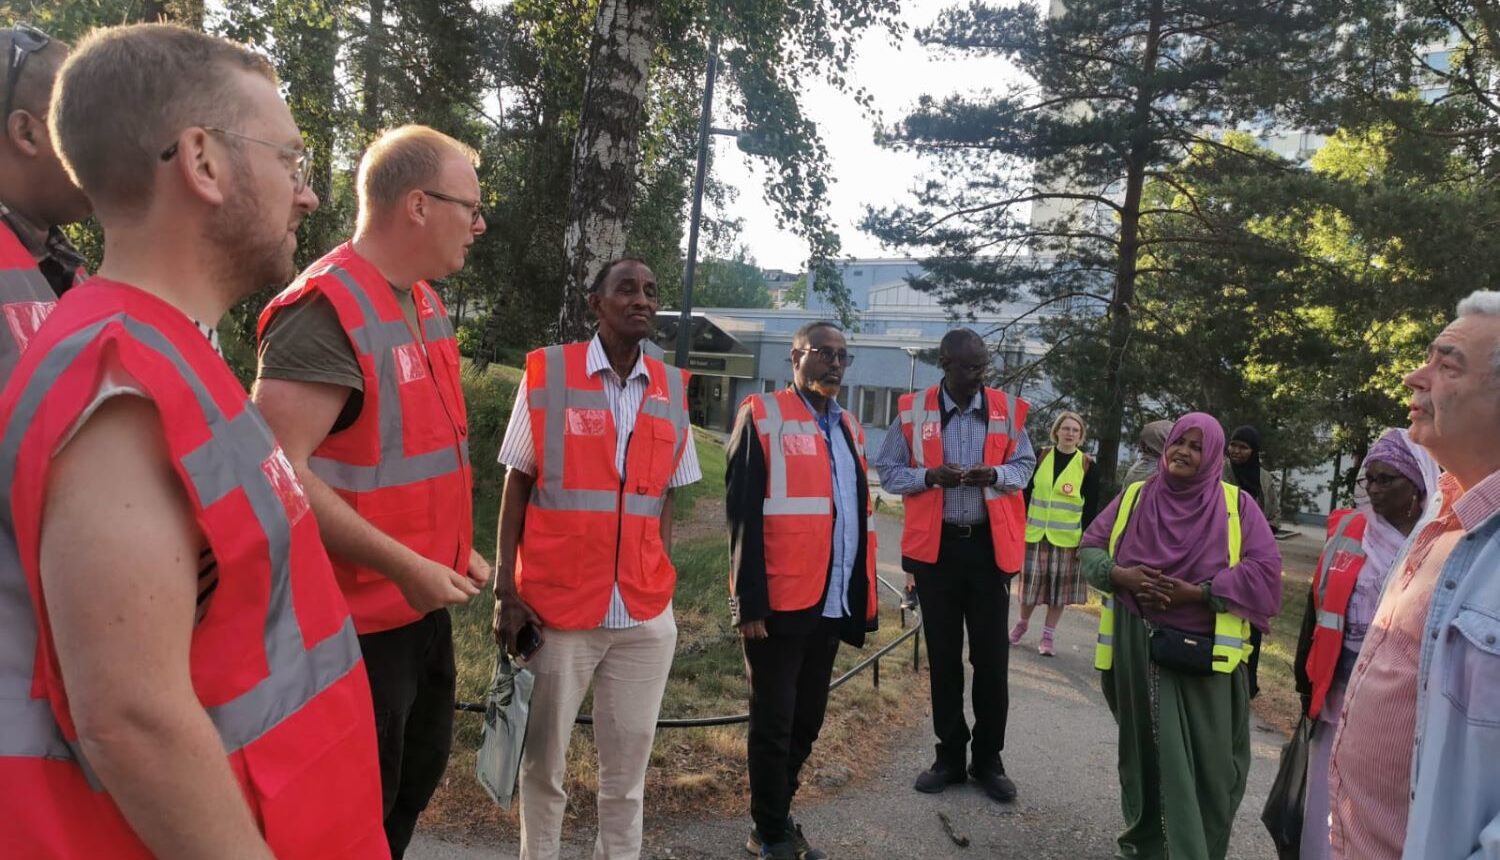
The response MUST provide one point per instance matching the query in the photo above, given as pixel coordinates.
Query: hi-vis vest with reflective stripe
(1338, 572)
(1231, 632)
(1056, 511)
(25, 300)
(403, 464)
(274, 660)
(798, 509)
(922, 427)
(588, 527)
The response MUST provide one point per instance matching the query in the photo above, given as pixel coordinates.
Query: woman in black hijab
(1244, 461)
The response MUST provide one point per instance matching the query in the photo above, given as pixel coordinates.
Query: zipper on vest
(620, 509)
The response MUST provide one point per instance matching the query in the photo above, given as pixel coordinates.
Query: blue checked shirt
(845, 508)
(963, 446)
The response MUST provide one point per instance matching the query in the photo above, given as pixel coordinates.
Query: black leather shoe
(938, 777)
(994, 782)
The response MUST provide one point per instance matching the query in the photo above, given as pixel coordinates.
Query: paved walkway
(1060, 750)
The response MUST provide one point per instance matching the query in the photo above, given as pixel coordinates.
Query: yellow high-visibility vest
(1056, 510)
(1231, 632)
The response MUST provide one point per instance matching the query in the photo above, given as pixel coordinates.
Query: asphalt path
(1060, 750)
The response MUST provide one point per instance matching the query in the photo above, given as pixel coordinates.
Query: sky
(863, 172)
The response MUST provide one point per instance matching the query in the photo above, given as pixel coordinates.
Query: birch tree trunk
(606, 153)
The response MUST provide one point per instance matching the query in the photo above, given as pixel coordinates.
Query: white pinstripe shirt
(624, 403)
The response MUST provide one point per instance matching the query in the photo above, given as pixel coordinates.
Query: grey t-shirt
(305, 342)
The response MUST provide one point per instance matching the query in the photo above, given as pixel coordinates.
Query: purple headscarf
(1393, 451)
(1180, 526)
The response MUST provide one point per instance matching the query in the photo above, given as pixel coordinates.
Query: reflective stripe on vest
(1231, 632)
(1056, 510)
(381, 340)
(1338, 572)
(777, 501)
(26, 298)
(556, 398)
(231, 459)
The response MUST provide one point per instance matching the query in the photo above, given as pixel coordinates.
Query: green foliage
(731, 283)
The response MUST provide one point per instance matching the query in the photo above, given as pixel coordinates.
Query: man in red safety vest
(179, 675)
(37, 262)
(359, 377)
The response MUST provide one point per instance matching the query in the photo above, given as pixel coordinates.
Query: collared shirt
(1377, 752)
(964, 432)
(624, 398)
(55, 256)
(845, 507)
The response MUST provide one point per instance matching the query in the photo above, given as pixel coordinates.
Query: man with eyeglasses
(37, 262)
(961, 461)
(359, 377)
(180, 674)
(802, 569)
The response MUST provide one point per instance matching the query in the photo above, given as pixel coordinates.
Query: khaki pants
(629, 671)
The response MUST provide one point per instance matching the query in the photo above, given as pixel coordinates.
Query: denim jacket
(1455, 771)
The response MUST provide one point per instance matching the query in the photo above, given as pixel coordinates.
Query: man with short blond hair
(180, 674)
(1412, 769)
(359, 377)
(36, 195)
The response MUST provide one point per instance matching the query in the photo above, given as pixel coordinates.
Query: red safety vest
(274, 660)
(1338, 571)
(403, 464)
(798, 510)
(922, 528)
(25, 300)
(588, 527)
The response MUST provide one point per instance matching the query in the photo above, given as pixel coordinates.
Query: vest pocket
(1473, 667)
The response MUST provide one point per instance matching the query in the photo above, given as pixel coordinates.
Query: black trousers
(789, 674)
(412, 682)
(965, 590)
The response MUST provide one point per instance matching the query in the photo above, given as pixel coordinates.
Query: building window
(893, 403)
(879, 407)
(843, 398)
(770, 386)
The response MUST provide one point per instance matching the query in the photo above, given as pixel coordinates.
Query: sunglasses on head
(25, 40)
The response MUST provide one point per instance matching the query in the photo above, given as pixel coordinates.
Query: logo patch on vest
(279, 473)
(799, 444)
(24, 318)
(586, 422)
(1067, 489)
(410, 365)
(930, 431)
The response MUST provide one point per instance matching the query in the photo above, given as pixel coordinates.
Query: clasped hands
(1153, 589)
(949, 476)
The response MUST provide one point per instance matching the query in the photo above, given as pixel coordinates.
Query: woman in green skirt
(1187, 565)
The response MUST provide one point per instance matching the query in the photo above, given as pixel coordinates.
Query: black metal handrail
(871, 662)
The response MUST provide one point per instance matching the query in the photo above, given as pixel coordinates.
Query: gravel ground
(1060, 750)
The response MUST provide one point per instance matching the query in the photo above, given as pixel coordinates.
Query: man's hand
(479, 569)
(979, 476)
(946, 475)
(511, 614)
(754, 629)
(429, 586)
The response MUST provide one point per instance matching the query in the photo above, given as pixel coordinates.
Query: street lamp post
(705, 128)
(912, 351)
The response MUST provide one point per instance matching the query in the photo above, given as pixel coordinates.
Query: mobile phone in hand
(528, 641)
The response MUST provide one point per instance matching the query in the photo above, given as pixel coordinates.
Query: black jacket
(745, 493)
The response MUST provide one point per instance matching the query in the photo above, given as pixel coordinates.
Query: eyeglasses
(300, 159)
(1367, 481)
(471, 205)
(25, 40)
(831, 356)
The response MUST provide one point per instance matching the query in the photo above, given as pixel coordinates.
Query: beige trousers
(629, 670)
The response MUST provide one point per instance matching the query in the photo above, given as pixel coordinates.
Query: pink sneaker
(1045, 649)
(1018, 632)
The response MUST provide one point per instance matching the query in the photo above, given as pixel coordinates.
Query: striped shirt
(964, 431)
(516, 450)
(1369, 773)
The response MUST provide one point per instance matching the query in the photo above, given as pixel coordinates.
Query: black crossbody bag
(1181, 651)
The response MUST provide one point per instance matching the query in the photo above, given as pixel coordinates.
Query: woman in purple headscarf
(1184, 738)
(1396, 480)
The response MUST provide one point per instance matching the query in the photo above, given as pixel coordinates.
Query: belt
(965, 532)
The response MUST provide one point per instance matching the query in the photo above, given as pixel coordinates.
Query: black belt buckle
(965, 530)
